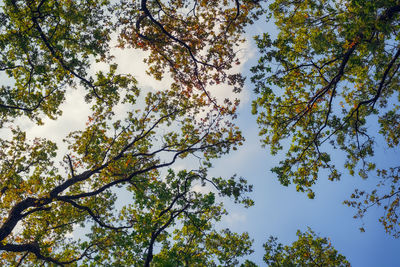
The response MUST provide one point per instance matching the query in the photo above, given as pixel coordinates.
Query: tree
(199, 249)
(308, 250)
(194, 40)
(335, 84)
(48, 47)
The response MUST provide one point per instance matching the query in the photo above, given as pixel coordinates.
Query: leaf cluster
(308, 250)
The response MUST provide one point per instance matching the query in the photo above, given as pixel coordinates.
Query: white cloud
(71, 234)
(74, 117)
(207, 188)
(130, 61)
(235, 218)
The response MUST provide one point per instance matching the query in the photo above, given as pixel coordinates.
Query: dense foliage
(46, 49)
(330, 79)
(308, 250)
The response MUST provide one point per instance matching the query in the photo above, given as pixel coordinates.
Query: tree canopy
(47, 48)
(330, 80)
(308, 250)
(117, 195)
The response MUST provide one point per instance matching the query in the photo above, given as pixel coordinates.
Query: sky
(279, 211)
